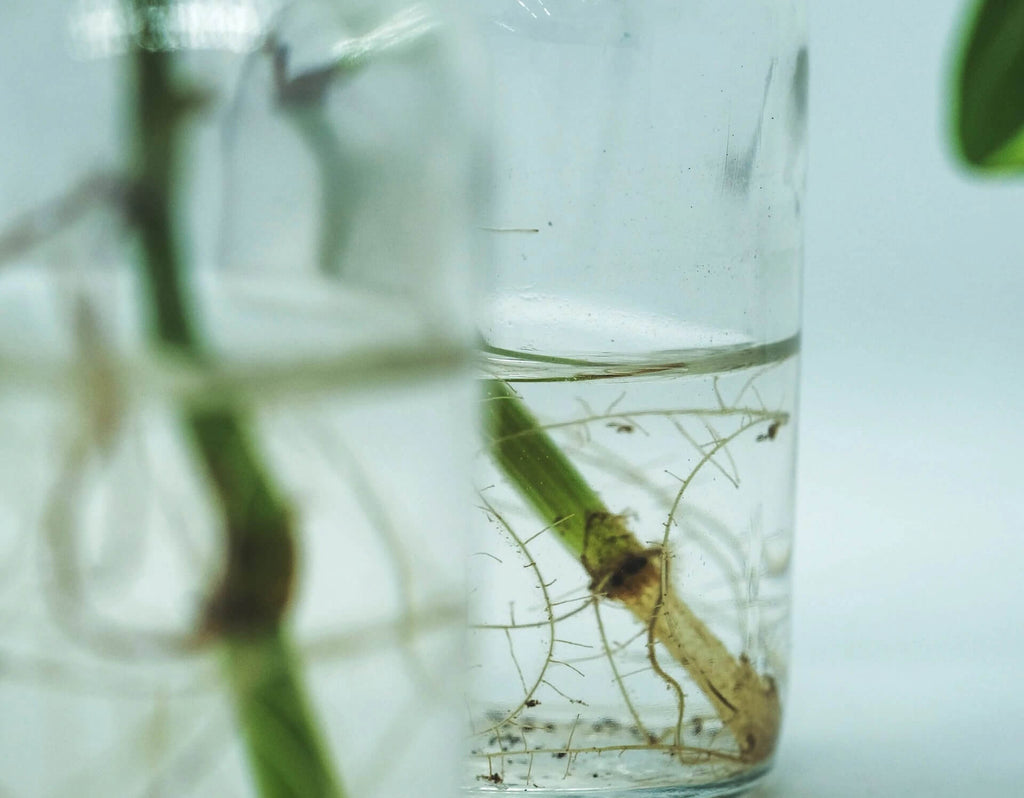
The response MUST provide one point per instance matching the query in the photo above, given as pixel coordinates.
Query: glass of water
(630, 581)
(236, 403)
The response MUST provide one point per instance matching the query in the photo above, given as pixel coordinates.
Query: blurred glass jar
(630, 596)
(235, 410)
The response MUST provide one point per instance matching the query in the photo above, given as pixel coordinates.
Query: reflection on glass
(100, 28)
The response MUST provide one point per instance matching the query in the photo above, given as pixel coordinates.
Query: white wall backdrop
(910, 605)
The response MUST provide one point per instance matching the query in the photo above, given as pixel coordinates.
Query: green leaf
(990, 87)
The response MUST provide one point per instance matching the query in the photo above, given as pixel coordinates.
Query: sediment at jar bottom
(597, 749)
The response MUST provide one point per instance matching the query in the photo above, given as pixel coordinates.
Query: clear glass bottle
(630, 590)
(235, 397)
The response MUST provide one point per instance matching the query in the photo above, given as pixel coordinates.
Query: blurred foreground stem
(246, 612)
(623, 570)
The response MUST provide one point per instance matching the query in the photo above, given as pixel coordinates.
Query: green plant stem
(622, 569)
(287, 759)
(247, 609)
(549, 481)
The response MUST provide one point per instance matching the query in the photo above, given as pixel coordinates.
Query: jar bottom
(736, 785)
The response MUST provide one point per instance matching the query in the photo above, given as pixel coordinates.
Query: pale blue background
(909, 606)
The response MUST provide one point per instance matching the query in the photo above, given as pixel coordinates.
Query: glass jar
(630, 587)
(235, 397)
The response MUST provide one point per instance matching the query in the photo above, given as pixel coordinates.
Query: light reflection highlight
(104, 28)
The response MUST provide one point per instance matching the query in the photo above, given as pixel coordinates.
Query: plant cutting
(726, 719)
(622, 569)
(247, 608)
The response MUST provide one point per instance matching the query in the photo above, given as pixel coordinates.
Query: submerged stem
(247, 610)
(621, 568)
